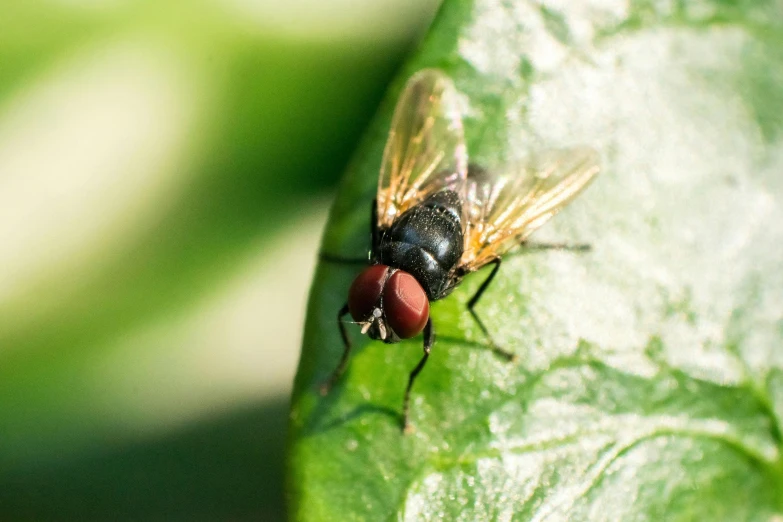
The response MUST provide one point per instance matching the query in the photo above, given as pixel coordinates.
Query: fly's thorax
(427, 242)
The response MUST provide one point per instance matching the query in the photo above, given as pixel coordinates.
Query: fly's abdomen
(426, 241)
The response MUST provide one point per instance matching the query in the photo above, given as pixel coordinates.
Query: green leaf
(650, 385)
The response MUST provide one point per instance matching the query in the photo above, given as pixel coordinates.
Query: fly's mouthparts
(382, 330)
(377, 314)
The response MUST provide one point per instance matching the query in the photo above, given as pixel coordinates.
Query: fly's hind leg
(429, 340)
(471, 308)
(576, 247)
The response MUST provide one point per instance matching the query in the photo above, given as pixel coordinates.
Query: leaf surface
(650, 382)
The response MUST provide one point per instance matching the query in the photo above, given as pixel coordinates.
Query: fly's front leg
(472, 303)
(374, 235)
(340, 260)
(429, 340)
(338, 372)
(374, 232)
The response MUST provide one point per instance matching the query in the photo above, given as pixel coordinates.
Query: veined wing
(425, 151)
(504, 208)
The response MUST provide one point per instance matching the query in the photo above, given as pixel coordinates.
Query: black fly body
(436, 219)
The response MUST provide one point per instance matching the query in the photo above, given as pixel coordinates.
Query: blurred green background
(165, 171)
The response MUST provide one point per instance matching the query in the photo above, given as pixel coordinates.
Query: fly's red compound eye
(406, 305)
(366, 291)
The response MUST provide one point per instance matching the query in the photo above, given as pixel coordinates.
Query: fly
(436, 219)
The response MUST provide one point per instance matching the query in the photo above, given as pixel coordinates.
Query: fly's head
(389, 304)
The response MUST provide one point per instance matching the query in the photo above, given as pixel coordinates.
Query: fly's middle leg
(471, 308)
(429, 340)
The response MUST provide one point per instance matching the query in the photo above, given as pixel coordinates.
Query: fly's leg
(472, 303)
(429, 340)
(577, 247)
(338, 372)
(374, 232)
(375, 236)
(340, 260)
(527, 247)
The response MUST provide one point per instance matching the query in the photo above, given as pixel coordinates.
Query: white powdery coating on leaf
(689, 286)
(544, 464)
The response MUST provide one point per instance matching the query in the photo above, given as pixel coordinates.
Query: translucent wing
(425, 151)
(504, 208)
